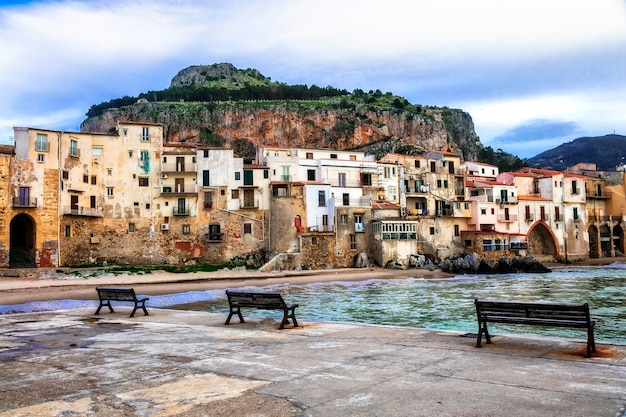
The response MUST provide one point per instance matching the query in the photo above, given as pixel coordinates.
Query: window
(86, 179)
(467, 243)
(93, 180)
(147, 206)
(341, 179)
(205, 153)
(234, 194)
(145, 134)
(483, 211)
(110, 191)
(266, 173)
(438, 183)
(310, 174)
(40, 157)
(575, 213)
(208, 200)
(324, 219)
(41, 143)
(432, 230)
(68, 230)
(487, 246)
(247, 228)
(445, 183)
(130, 154)
(92, 200)
(65, 175)
(309, 155)
(352, 241)
(205, 178)
(346, 199)
(131, 227)
(359, 223)
(314, 241)
(237, 176)
(417, 164)
(343, 219)
(527, 215)
(109, 172)
(74, 148)
(125, 132)
(366, 179)
(575, 189)
(333, 156)
(321, 198)
(143, 181)
(97, 151)
(214, 233)
(186, 229)
(433, 166)
(456, 230)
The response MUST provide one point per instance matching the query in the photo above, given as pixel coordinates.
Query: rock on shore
(472, 264)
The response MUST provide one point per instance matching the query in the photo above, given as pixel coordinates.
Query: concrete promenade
(187, 363)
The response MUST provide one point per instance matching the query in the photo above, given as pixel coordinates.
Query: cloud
(538, 130)
(483, 56)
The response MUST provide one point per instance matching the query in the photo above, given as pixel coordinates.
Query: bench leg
(103, 304)
(230, 315)
(482, 328)
(143, 307)
(286, 316)
(591, 343)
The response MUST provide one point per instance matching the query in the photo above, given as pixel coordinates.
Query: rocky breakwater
(473, 264)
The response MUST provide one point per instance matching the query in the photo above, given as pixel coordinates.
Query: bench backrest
(117, 294)
(265, 300)
(543, 311)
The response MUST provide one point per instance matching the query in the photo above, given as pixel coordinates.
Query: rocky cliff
(346, 122)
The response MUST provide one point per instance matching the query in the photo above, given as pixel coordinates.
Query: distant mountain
(606, 152)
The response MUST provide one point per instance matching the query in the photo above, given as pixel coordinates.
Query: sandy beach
(59, 287)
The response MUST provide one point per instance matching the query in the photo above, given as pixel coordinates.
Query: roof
(532, 198)
(384, 204)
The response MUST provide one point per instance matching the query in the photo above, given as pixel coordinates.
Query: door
(248, 177)
(74, 204)
(24, 196)
(182, 209)
(179, 185)
(180, 164)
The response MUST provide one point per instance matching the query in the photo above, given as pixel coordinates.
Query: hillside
(606, 152)
(221, 105)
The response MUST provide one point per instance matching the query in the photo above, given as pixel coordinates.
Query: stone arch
(22, 242)
(605, 240)
(594, 246)
(542, 243)
(618, 240)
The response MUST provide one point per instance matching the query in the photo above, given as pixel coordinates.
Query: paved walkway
(187, 363)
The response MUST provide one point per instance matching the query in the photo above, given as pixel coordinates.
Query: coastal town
(128, 196)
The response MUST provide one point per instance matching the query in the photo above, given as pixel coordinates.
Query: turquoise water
(447, 304)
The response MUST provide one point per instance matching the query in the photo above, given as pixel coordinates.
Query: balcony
(82, 211)
(187, 167)
(22, 202)
(529, 218)
(178, 190)
(249, 204)
(181, 211)
(447, 212)
(507, 218)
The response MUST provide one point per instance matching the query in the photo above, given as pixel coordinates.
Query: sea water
(443, 304)
(448, 303)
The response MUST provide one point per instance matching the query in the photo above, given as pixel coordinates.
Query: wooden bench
(107, 295)
(537, 314)
(260, 300)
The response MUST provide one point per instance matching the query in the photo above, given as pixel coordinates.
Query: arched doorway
(605, 240)
(22, 240)
(593, 242)
(618, 240)
(541, 243)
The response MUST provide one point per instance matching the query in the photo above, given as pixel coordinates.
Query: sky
(532, 74)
